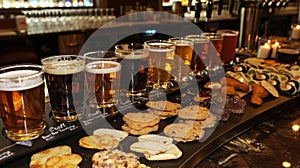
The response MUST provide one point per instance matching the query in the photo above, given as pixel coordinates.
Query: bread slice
(156, 138)
(38, 160)
(120, 135)
(150, 147)
(64, 161)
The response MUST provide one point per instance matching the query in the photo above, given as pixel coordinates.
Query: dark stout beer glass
(65, 82)
(22, 103)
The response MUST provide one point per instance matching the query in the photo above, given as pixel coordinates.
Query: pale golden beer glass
(22, 103)
(65, 82)
(134, 68)
(161, 61)
(182, 58)
(102, 73)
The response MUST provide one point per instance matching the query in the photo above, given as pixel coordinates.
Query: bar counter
(197, 153)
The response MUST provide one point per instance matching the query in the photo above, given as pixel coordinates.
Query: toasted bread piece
(38, 160)
(120, 135)
(64, 161)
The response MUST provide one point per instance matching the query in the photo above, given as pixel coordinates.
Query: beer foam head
(63, 65)
(132, 51)
(161, 47)
(20, 80)
(138, 54)
(103, 67)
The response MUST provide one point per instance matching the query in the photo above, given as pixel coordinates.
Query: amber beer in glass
(161, 59)
(22, 103)
(215, 50)
(134, 68)
(230, 40)
(182, 58)
(200, 58)
(102, 72)
(65, 82)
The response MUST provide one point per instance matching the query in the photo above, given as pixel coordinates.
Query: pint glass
(65, 82)
(134, 68)
(182, 58)
(102, 73)
(22, 101)
(214, 54)
(200, 58)
(161, 59)
(230, 40)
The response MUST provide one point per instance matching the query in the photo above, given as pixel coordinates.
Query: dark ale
(65, 82)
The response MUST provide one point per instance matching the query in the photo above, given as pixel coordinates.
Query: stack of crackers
(164, 109)
(139, 123)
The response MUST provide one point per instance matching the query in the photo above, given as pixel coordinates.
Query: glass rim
(94, 55)
(8, 68)
(197, 38)
(160, 45)
(47, 60)
(129, 49)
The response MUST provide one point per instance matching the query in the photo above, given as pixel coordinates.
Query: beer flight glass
(230, 39)
(65, 82)
(161, 62)
(102, 76)
(134, 68)
(182, 58)
(200, 58)
(22, 101)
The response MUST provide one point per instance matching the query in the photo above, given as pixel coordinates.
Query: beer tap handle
(220, 7)
(285, 3)
(198, 8)
(259, 5)
(230, 6)
(209, 8)
(189, 6)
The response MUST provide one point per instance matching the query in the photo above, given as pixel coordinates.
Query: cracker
(64, 161)
(139, 119)
(163, 105)
(150, 147)
(184, 132)
(143, 131)
(120, 135)
(101, 142)
(39, 159)
(195, 112)
(172, 153)
(155, 138)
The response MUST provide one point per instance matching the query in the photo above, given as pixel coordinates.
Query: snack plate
(18, 155)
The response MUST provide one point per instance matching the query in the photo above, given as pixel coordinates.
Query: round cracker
(101, 142)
